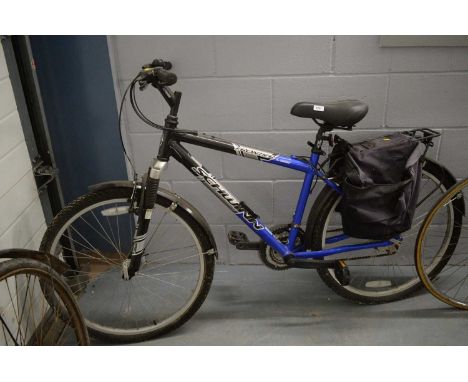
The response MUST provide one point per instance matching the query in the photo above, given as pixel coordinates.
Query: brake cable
(135, 175)
(136, 108)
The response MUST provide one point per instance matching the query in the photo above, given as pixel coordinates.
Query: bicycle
(115, 240)
(29, 280)
(449, 284)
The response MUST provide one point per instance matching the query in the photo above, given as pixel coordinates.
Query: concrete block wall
(242, 88)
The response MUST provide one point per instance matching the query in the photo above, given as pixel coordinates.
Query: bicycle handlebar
(158, 77)
(158, 63)
(157, 73)
(165, 78)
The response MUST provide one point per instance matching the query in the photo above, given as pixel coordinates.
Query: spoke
(172, 262)
(161, 233)
(32, 308)
(459, 288)
(161, 280)
(77, 242)
(123, 301)
(143, 305)
(131, 306)
(157, 227)
(99, 252)
(28, 278)
(419, 219)
(110, 228)
(101, 275)
(108, 239)
(12, 301)
(154, 293)
(171, 250)
(453, 286)
(172, 273)
(447, 267)
(105, 303)
(118, 232)
(43, 306)
(18, 332)
(88, 256)
(438, 187)
(5, 326)
(131, 229)
(172, 258)
(129, 301)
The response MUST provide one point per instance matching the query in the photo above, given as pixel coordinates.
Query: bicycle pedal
(241, 241)
(341, 271)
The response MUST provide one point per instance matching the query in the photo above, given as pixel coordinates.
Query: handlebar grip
(165, 78)
(158, 63)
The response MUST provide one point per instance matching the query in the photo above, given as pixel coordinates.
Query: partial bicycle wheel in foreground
(36, 305)
(450, 284)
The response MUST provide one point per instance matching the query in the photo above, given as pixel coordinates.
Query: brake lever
(143, 85)
(145, 73)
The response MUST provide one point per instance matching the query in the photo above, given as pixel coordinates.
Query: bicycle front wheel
(94, 233)
(380, 279)
(26, 315)
(449, 284)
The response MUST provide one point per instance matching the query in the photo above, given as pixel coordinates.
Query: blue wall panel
(77, 89)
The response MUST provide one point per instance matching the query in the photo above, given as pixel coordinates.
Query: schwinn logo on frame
(252, 153)
(225, 196)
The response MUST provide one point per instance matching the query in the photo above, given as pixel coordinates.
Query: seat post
(319, 138)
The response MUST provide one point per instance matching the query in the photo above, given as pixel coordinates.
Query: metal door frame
(21, 67)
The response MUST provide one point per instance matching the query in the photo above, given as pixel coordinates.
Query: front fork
(146, 205)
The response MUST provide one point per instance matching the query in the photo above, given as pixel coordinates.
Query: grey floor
(253, 305)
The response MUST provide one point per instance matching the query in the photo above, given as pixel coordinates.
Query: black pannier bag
(337, 158)
(381, 185)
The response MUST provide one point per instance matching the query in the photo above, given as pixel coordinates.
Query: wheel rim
(164, 297)
(449, 285)
(369, 277)
(27, 318)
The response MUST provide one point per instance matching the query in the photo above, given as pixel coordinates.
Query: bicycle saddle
(338, 114)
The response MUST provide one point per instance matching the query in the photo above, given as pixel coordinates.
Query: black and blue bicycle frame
(171, 146)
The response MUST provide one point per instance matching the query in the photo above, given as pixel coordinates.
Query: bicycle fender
(16, 253)
(460, 202)
(173, 197)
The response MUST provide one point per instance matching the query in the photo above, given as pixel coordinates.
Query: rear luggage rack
(423, 135)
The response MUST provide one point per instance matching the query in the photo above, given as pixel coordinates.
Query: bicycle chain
(370, 256)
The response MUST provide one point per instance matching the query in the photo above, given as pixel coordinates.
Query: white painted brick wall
(243, 87)
(22, 223)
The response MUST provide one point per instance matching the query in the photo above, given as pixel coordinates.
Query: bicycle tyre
(79, 207)
(52, 327)
(318, 219)
(431, 278)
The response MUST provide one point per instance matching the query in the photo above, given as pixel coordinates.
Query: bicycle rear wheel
(373, 279)
(449, 284)
(26, 315)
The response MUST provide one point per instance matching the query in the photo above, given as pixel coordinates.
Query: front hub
(131, 266)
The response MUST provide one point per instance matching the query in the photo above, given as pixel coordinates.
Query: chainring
(271, 258)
